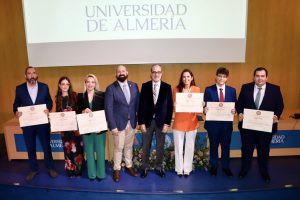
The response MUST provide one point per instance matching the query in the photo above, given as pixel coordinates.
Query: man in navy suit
(219, 132)
(34, 93)
(265, 96)
(121, 103)
(154, 115)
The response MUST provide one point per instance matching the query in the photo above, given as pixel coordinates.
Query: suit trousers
(184, 159)
(262, 141)
(123, 143)
(95, 143)
(160, 143)
(220, 134)
(30, 134)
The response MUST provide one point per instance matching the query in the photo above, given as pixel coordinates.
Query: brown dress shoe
(31, 175)
(131, 171)
(52, 173)
(117, 175)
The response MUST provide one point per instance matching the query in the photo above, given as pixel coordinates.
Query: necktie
(155, 93)
(221, 95)
(126, 93)
(257, 99)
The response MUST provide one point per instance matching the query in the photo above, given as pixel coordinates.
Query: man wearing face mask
(30, 93)
(121, 103)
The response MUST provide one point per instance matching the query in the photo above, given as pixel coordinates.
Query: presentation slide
(103, 32)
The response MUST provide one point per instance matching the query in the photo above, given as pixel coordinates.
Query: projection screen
(102, 32)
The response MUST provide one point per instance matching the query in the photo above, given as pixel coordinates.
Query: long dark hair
(71, 96)
(180, 85)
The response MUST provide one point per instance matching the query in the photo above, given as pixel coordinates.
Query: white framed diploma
(220, 111)
(63, 121)
(189, 102)
(258, 120)
(33, 115)
(91, 122)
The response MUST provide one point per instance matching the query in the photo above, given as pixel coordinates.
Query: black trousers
(260, 140)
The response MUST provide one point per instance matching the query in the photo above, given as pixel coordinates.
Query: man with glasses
(154, 115)
(219, 132)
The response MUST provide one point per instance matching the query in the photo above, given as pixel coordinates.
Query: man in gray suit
(121, 102)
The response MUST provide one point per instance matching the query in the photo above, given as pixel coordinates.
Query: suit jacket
(272, 101)
(22, 97)
(211, 95)
(117, 110)
(163, 109)
(97, 103)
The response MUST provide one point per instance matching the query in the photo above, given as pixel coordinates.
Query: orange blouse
(185, 121)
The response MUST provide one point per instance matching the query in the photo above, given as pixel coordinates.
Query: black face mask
(122, 77)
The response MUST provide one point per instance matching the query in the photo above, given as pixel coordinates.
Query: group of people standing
(152, 109)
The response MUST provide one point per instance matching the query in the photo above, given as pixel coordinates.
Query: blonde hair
(97, 88)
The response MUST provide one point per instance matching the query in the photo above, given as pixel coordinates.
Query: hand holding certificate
(63, 121)
(189, 102)
(33, 115)
(258, 120)
(220, 111)
(92, 122)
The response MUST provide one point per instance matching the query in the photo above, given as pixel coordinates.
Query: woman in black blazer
(88, 101)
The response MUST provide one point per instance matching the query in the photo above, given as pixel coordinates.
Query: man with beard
(121, 103)
(30, 93)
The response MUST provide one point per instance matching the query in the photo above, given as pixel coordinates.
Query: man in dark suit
(154, 115)
(121, 103)
(265, 96)
(34, 93)
(219, 132)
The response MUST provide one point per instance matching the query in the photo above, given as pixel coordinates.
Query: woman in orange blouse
(185, 126)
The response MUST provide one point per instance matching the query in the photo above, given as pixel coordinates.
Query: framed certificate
(91, 122)
(33, 115)
(63, 121)
(189, 102)
(220, 111)
(258, 120)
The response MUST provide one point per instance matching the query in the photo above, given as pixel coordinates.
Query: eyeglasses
(221, 76)
(63, 84)
(156, 72)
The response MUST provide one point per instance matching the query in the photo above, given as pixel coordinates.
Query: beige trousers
(123, 143)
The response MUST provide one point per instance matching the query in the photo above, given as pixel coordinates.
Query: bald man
(121, 103)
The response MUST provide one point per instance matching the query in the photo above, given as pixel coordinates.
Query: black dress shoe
(266, 178)
(99, 179)
(144, 173)
(179, 175)
(213, 171)
(160, 172)
(228, 172)
(242, 174)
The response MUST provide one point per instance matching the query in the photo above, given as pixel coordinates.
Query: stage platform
(284, 171)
